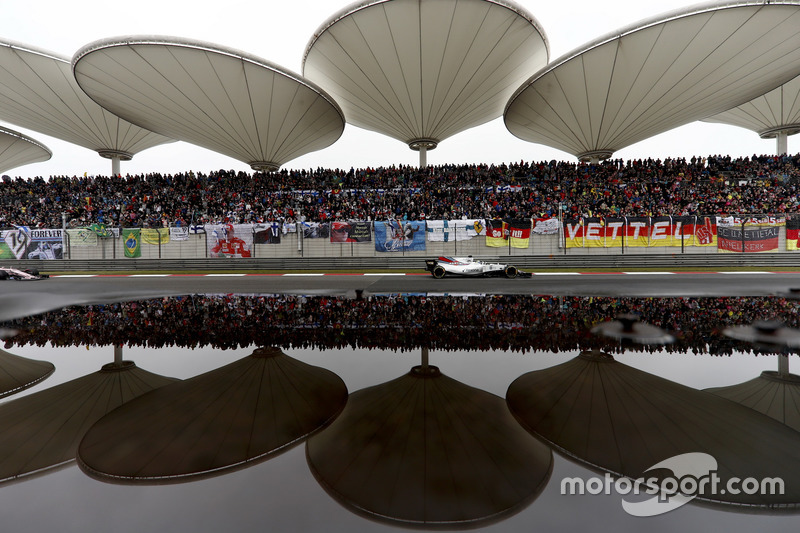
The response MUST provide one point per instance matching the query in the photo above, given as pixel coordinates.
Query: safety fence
(387, 242)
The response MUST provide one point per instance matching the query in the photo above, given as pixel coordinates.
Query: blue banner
(400, 235)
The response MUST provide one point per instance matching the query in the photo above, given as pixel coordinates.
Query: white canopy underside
(39, 92)
(17, 150)
(658, 75)
(777, 111)
(425, 70)
(220, 99)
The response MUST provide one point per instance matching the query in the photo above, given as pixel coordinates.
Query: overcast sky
(279, 32)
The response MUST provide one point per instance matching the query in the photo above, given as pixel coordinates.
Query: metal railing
(399, 263)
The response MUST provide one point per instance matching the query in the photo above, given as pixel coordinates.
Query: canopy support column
(782, 143)
(783, 365)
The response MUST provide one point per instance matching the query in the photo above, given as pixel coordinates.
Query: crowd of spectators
(399, 322)
(714, 185)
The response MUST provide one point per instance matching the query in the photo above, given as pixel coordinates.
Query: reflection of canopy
(774, 394)
(42, 430)
(423, 70)
(221, 99)
(228, 417)
(17, 150)
(628, 328)
(624, 421)
(38, 92)
(425, 449)
(658, 74)
(18, 373)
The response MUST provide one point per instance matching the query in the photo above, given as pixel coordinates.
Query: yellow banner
(155, 235)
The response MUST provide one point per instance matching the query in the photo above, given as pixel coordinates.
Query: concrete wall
(294, 246)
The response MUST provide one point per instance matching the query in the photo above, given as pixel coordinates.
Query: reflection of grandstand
(399, 322)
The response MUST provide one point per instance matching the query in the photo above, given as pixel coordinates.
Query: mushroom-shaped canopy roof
(621, 420)
(19, 373)
(658, 74)
(17, 149)
(219, 98)
(38, 92)
(776, 112)
(423, 70)
(427, 450)
(230, 417)
(42, 431)
(772, 393)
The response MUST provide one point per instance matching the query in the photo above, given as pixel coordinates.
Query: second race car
(467, 266)
(21, 274)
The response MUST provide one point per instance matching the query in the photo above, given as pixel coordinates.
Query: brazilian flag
(132, 239)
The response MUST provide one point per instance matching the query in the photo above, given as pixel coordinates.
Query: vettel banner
(640, 232)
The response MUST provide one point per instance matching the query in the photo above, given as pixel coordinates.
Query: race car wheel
(32, 271)
(3, 275)
(438, 272)
(510, 272)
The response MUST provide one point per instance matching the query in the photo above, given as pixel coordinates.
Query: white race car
(467, 266)
(19, 274)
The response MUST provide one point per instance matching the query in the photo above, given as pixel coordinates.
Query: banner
(683, 230)
(637, 231)
(267, 233)
(131, 239)
(614, 231)
(352, 231)
(754, 239)
(454, 230)
(229, 240)
(705, 231)
(396, 236)
(179, 233)
(25, 243)
(440, 230)
(496, 233)
(100, 229)
(792, 232)
(155, 236)
(545, 226)
(573, 232)
(594, 232)
(82, 237)
(16, 242)
(662, 232)
(316, 230)
(519, 233)
(469, 228)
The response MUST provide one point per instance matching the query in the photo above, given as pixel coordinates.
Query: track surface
(22, 298)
